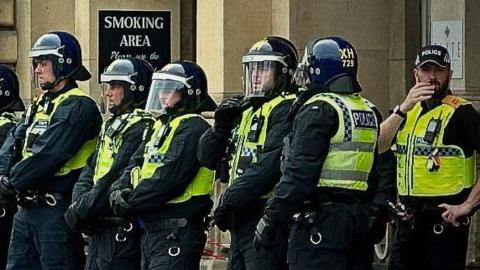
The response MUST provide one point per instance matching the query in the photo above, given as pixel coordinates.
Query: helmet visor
(259, 73)
(163, 94)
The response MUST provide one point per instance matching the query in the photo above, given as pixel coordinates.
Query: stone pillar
(225, 31)
(307, 20)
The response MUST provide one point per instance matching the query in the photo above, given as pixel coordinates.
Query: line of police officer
(305, 178)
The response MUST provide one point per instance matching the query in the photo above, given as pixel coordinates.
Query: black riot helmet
(268, 68)
(64, 51)
(135, 77)
(9, 91)
(329, 64)
(179, 88)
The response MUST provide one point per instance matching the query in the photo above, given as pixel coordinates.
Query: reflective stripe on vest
(250, 135)
(155, 154)
(40, 123)
(7, 118)
(107, 147)
(352, 148)
(414, 174)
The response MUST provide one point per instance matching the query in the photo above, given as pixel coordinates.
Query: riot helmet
(65, 54)
(133, 76)
(329, 64)
(9, 91)
(268, 68)
(178, 88)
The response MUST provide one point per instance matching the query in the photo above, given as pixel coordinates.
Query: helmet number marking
(348, 63)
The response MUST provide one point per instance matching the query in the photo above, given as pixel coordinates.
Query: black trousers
(416, 246)
(243, 256)
(5, 232)
(105, 253)
(173, 247)
(41, 239)
(343, 245)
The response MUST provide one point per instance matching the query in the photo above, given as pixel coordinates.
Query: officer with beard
(436, 140)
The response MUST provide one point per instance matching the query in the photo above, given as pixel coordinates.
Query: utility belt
(124, 227)
(33, 198)
(428, 214)
(174, 225)
(315, 214)
(163, 224)
(309, 218)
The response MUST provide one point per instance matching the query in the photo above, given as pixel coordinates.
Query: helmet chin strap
(48, 85)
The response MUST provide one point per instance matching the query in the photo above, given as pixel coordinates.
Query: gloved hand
(222, 216)
(227, 114)
(7, 192)
(376, 229)
(71, 217)
(264, 234)
(119, 204)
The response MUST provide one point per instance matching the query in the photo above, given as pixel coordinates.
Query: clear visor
(301, 76)
(163, 94)
(105, 78)
(46, 51)
(112, 95)
(35, 83)
(259, 77)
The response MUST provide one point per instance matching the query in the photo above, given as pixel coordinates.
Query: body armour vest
(40, 123)
(352, 148)
(249, 137)
(154, 156)
(425, 166)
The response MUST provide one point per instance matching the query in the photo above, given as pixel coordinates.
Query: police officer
(256, 125)
(10, 102)
(170, 190)
(127, 83)
(329, 160)
(58, 134)
(436, 136)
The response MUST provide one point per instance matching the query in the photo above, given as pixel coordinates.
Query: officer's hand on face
(7, 192)
(227, 114)
(264, 234)
(119, 204)
(222, 216)
(419, 92)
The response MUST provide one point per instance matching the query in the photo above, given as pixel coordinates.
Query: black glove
(222, 216)
(71, 217)
(264, 234)
(228, 113)
(7, 192)
(119, 204)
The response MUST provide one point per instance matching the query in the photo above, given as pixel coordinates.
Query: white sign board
(449, 34)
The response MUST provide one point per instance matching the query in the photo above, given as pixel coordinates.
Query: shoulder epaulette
(454, 101)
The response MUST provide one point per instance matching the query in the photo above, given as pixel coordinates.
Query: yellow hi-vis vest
(249, 137)
(108, 145)
(40, 124)
(7, 118)
(415, 177)
(352, 149)
(155, 154)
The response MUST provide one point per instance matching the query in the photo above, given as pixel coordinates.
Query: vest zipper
(411, 143)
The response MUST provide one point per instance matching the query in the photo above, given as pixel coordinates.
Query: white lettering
(135, 41)
(129, 22)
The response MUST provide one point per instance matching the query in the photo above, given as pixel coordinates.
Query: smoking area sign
(141, 34)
